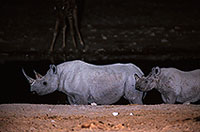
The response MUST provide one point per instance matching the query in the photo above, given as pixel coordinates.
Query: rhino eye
(45, 83)
(146, 81)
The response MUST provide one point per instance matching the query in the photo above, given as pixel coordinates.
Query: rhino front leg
(71, 100)
(169, 98)
(187, 102)
(75, 99)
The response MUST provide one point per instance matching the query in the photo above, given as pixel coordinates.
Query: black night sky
(147, 33)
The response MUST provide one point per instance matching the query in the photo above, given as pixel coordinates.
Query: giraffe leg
(76, 25)
(55, 34)
(71, 24)
(64, 36)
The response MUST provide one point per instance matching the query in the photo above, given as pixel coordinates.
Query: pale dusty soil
(162, 118)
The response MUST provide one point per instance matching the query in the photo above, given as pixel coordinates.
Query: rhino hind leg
(137, 100)
(131, 94)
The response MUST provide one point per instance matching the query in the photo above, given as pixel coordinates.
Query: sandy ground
(137, 118)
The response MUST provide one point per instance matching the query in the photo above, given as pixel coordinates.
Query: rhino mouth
(139, 88)
(33, 92)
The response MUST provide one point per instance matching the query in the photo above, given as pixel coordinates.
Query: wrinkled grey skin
(173, 84)
(85, 83)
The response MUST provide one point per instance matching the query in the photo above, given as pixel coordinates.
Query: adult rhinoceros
(173, 84)
(85, 83)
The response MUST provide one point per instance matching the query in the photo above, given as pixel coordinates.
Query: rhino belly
(106, 95)
(108, 98)
(106, 88)
(191, 95)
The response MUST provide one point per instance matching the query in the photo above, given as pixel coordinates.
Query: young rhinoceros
(173, 84)
(85, 83)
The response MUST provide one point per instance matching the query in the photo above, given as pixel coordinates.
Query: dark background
(147, 33)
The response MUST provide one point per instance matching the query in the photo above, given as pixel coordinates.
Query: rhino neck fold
(59, 88)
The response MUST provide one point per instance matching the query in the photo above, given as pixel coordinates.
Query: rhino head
(43, 84)
(149, 82)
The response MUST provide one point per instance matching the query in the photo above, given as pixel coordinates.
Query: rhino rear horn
(37, 75)
(31, 80)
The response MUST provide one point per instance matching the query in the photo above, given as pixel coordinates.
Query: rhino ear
(53, 69)
(157, 71)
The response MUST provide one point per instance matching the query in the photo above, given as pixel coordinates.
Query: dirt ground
(137, 118)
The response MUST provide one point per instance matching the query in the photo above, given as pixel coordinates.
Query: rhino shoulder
(169, 72)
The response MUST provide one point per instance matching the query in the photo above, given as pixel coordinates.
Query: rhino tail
(138, 72)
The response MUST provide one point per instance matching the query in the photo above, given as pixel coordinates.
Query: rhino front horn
(31, 80)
